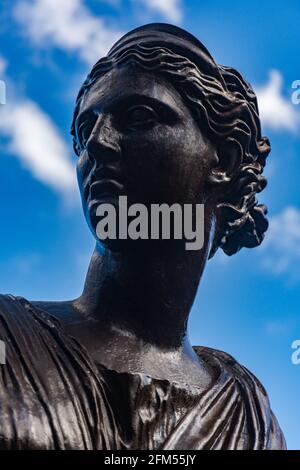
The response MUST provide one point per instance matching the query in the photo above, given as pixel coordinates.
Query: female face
(139, 139)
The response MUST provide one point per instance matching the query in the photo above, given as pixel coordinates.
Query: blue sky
(247, 305)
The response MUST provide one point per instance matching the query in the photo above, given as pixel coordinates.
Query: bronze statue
(159, 121)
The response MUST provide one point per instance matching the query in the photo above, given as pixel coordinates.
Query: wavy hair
(225, 104)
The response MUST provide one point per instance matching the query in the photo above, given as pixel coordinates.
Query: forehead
(125, 81)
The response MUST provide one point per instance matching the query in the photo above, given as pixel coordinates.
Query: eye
(140, 117)
(84, 130)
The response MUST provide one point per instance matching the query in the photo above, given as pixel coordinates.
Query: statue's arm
(276, 437)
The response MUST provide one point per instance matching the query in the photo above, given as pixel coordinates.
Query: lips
(105, 181)
(105, 186)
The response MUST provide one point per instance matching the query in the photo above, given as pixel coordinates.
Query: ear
(229, 158)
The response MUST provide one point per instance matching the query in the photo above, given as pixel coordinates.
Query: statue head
(159, 121)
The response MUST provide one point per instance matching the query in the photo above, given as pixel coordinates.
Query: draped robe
(53, 395)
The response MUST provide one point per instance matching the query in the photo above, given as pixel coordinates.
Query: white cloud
(276, 111)
(281, 247)
(3, 66)
(34, 139)
(67, 25)
(169, 9)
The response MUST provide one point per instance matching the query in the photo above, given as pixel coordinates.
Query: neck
(147, 292)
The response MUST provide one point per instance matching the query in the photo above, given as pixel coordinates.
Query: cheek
(194, 154)
(147, 157)
(83, 168)
(153, 151)
(166, 164)
(183, 157)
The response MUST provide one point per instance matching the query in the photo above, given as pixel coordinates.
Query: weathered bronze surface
(159, 121)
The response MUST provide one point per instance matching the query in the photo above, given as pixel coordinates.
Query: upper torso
(104, 342)
(54, 395)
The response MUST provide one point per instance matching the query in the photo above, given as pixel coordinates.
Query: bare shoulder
(235, 381)
(65, 311)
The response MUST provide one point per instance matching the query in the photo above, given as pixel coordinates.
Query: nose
(104, 142)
